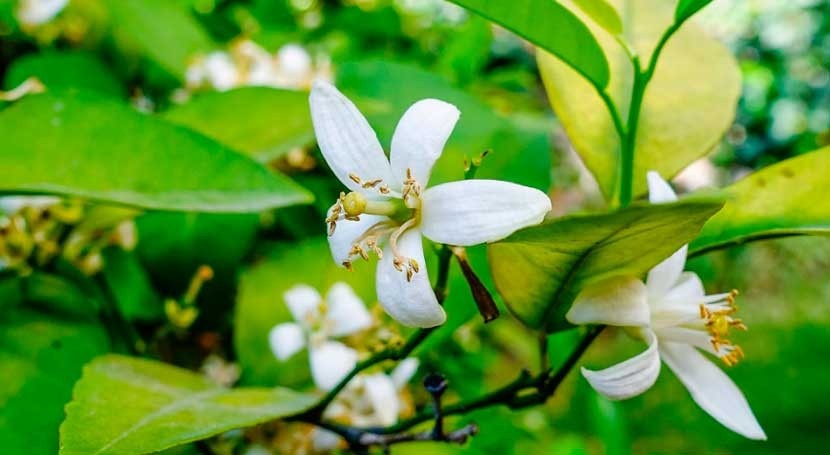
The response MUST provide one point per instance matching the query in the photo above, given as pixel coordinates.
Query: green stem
(629, 140)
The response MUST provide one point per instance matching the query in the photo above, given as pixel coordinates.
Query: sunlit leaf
(91, 148)
(686, 8)
(64, 70)
(125, 405)
(688, 106)
(540, 270)
(787, 198)
(603, 14)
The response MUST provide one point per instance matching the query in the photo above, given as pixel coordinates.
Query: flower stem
(629, 139)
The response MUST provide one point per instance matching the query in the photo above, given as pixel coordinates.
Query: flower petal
(413, 302)
(666, 274)
(420, 137)
(404, 372)
(347, 142)
(629, 378)
(303, 301)
(323, 440)
(286, 339)
(346, 311)
(346, 234)
(659, 190)
(470, 212)
(330, 362)
(619, 301)
(383, 395)
(687, 288)
(712, 389)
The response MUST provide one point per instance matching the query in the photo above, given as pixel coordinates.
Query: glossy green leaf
(686, 8)
(65, 70)
(88, 147)
(787, 198)
(540, 270)
(550, 26)
(688, 106)
(125, 405)
(262, 122)
(603, 14)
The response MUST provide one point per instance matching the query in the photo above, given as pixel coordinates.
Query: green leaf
(262, 122)
(41, 358)
(540, 270)
(125, 405)
(101, 150)
(550, 26)
(787, 198)
(130, 285)
(689, 104)
(603, 14)
(65, 70)
(686, 8)
(164, 31)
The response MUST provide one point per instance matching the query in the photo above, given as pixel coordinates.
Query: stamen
(401, 263)
(717, 315)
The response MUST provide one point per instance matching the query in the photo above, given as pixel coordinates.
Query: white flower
(37, 12)
(388, 208)
(316, 323)
(672, 314)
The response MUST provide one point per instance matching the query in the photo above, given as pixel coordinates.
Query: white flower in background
(672, 314)
(317, 322)
(32, 13)
(389, 207)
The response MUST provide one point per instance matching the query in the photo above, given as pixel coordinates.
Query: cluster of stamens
(411, 187)
(718, 322)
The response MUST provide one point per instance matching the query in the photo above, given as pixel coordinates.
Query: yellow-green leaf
(603, 14)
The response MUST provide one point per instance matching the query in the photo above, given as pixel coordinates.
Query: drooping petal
(348, 143)
(404, 372)
(659, 190)
(346, 312)
(330, 362)
(346, 234)
(666, 274)
(303, 301)
(629, 378)
(413, 302)
(419, 139)
(471, 212)
(383, 395)
(618, 301)
(712, 389)
(286, 339)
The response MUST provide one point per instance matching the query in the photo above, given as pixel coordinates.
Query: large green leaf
(80, 145)
(540, 270)
(787, 198)
(41, 358)
(65, 70)
(688, 105)
(125, 405)
(550, 26)
(263, 122)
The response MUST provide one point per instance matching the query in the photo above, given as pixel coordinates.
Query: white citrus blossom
(389, 207)
(32, 13)
(317, 322)
(674, 316)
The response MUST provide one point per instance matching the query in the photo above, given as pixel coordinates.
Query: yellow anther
(354, 178)
(354, 204)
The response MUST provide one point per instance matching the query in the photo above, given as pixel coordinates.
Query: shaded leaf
(65, 70)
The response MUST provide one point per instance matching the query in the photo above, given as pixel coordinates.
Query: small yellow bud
(354, 204)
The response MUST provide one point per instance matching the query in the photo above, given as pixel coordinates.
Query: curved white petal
(618, 301)
(346, 312)
(659, 190)
(629, 378)
(687, 288)
(712, 389)
(666, 274)
(404, 372)
(347, 232)
(383, 395)
(286, 339)
(413, 302)
(303, 301)
(330, 362)
(347, 142)
(470, 212)
(420, 137)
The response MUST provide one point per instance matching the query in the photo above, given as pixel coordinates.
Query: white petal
(411, 303)
(470, 212)
(348, 143)
(420, 137)
(303, 302)
(688, 288)
(629, 378)
(712, 389)
(659, 190)
(685, 335)
(347, 232)
(666, 274)
(404, 372)
(286, 339)
(384, 398)
(324, 440)
(618, 301)
(330, 362)
(346, 312)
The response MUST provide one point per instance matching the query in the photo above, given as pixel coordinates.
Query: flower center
(718, 319)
